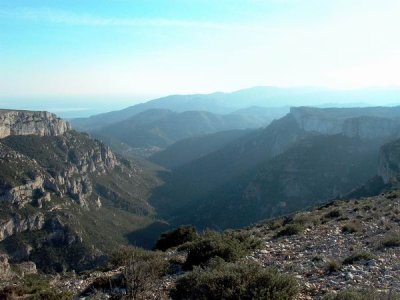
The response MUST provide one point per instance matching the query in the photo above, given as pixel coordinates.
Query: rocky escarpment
(53, 175)
(41, 166)
(40, 123)
(389, 163)
(365, 123)
(18, 223)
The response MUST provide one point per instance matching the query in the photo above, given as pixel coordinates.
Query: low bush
(333, 265)
(391, 240)
(223, 280)
(333, 214)
(359, 256)
(229, 246)
(34, 287)
(352, 227)
(142, 269)
(290, 229)
(275, 224)
(305, 219)
(177, 237)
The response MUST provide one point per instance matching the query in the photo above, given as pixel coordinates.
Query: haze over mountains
(68, 198)
(161, 128)
(263, 96)
(311, 153)
(308, 156)
(202, 149)
(146, 128)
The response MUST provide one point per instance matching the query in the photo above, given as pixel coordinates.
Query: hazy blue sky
(155, 47)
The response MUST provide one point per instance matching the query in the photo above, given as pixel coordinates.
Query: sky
(87, 52)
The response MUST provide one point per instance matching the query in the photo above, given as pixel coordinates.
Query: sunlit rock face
(389, 163)
(364, 123)
(13, 122)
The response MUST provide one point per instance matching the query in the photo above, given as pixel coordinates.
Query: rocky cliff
(64, 196)
(13, 122)
(37, 167)
(389, 163)
(365, 123)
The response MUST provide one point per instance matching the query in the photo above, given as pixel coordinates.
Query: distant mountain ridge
(161, 127)
(262, 96)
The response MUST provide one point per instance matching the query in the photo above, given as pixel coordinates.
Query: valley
(70, 199)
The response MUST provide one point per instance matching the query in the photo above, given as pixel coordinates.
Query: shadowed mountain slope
(316, 154)
(161, 128)
(187, 150)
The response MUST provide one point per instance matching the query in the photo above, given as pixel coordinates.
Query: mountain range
(274, 98)
(159, 128)
(67, 199)
(309, 156)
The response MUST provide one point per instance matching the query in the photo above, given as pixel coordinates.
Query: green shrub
(34, 287)
(352, 227)
(51, 295)
(234, 281)
(142, 269)
(229, 245)
(391, 240)
(275, 224)
(333, 265)
(305, 219)
(333, 214)
(177, 237)
(358, 256)
(290, 229)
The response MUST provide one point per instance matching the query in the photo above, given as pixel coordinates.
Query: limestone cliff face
(41, 159)
(19, 223)
(40, 123)
(371, 128)
(63, 186)
(312, 120)
(37, 168)
(389, 163)
(354, 122)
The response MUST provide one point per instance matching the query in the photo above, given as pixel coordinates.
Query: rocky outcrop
(22, 194)
(389, 163)
(51, 211)
(364, 123)
(40, 123)
(371, 127)
(4, 266)
(35, 167)
(18, 223)
(26, 268)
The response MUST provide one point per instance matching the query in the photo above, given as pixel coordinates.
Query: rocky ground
(317, 256)
(361, 229)
(351, 244)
